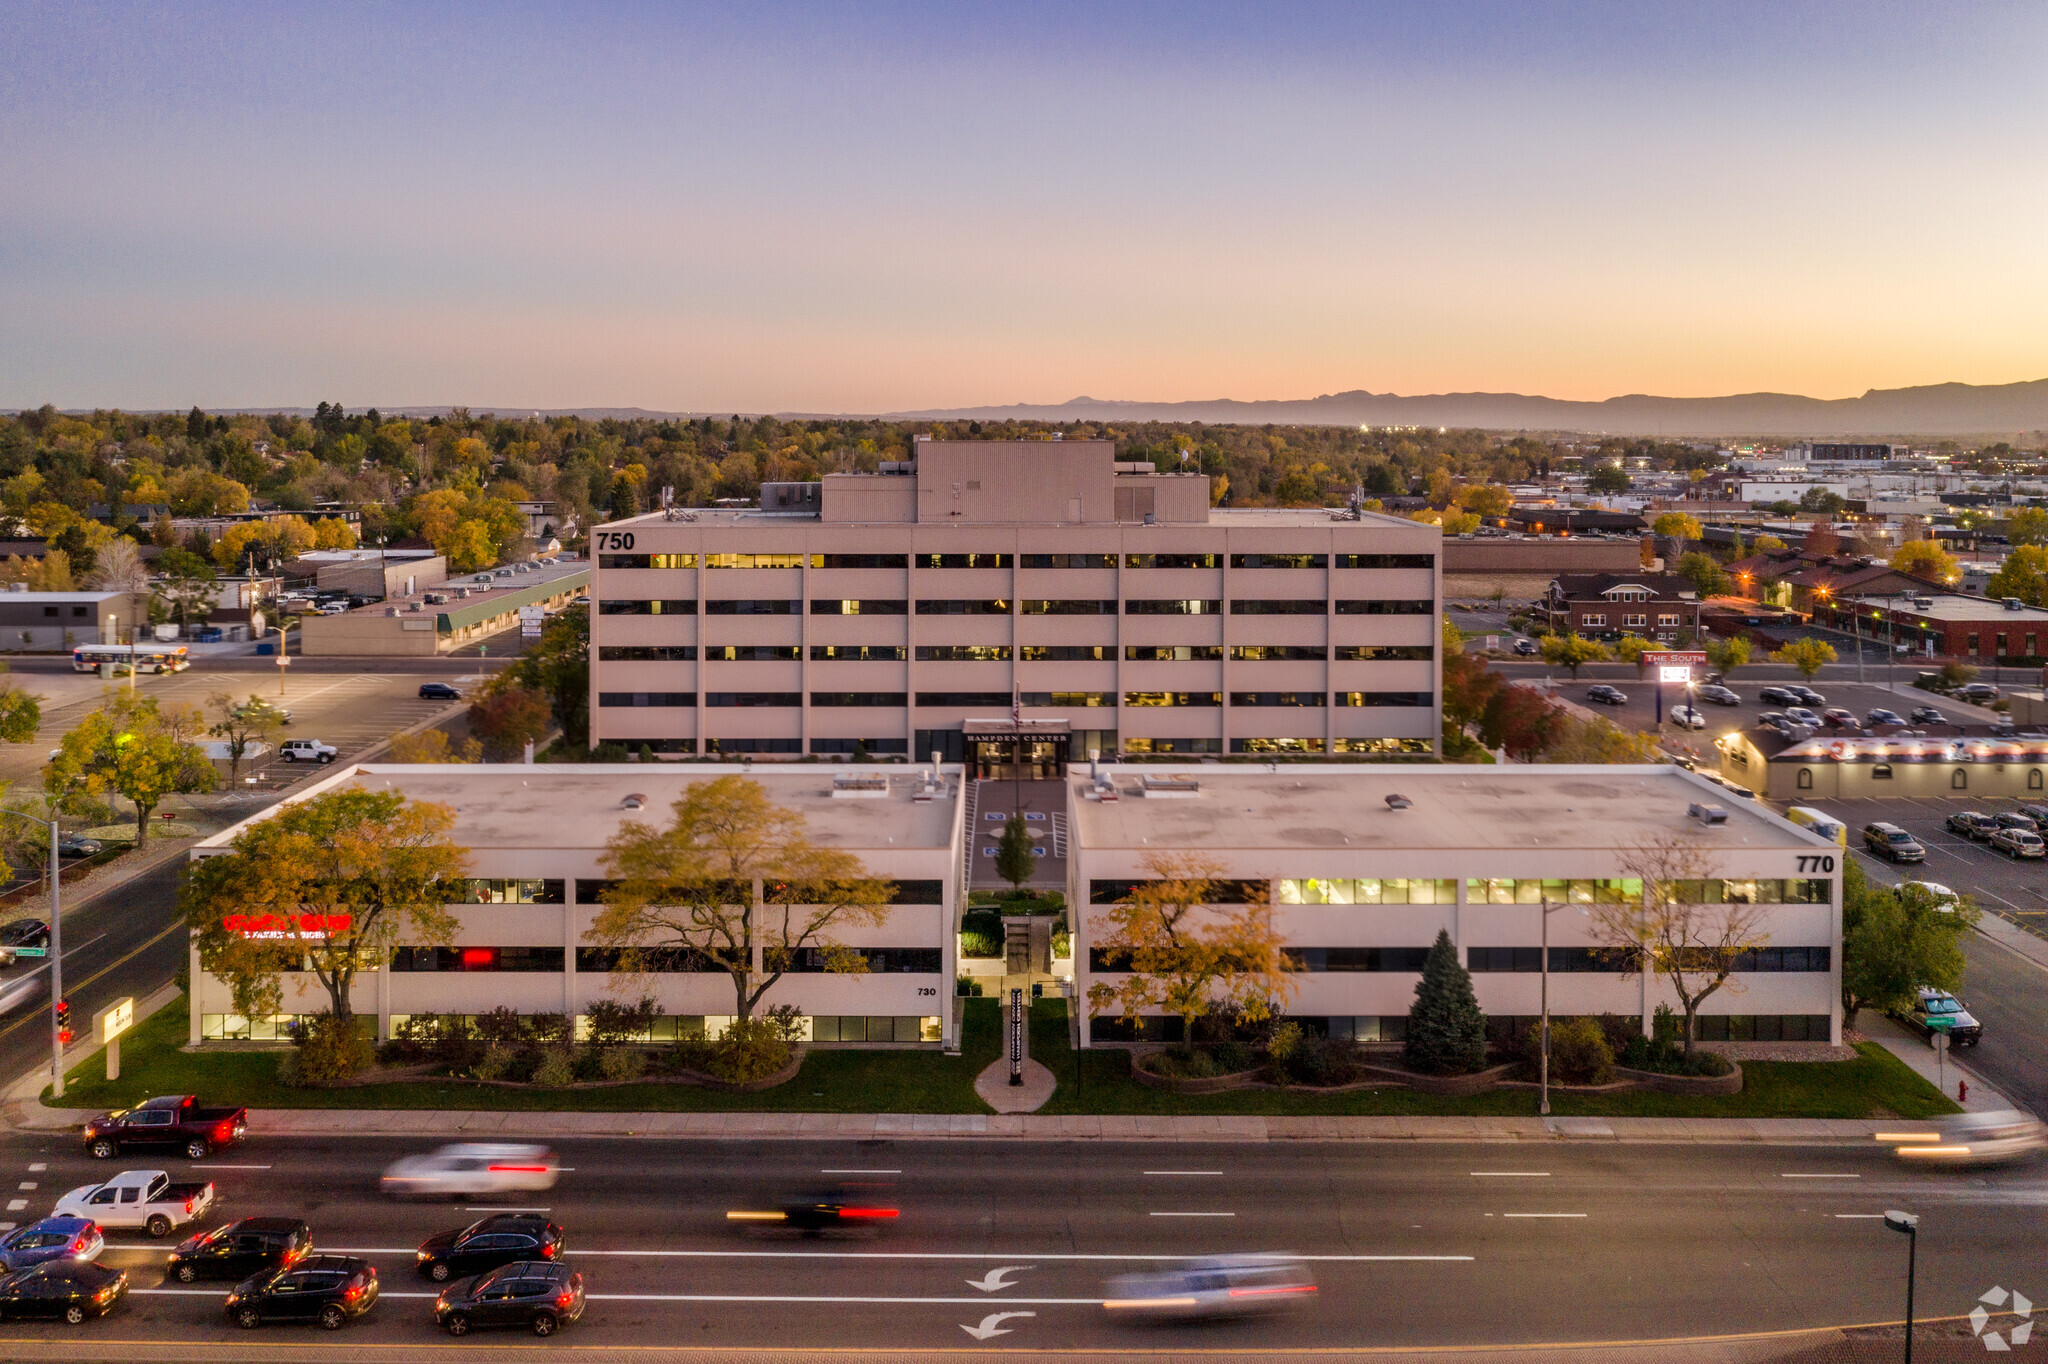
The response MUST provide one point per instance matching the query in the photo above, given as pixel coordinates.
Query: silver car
(2018, 843)
(1970, 1139)
(1219, 1286)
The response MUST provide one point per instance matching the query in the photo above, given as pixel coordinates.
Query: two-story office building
(1366, 864)
(1105, 606)
(536, 837)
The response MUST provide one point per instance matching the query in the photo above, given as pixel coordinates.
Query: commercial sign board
(281, 925)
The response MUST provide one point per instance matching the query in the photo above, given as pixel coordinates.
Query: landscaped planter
(1731, 1083)
(1449, 1086)
(698, 1078)
(1207, 1084)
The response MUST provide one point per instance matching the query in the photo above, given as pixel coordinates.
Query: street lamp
(1543, 1060)
(56, 954)
(1909, 1223)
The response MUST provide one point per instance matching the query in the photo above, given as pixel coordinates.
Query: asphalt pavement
(1420, 1246)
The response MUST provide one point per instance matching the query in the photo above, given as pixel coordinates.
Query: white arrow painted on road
(993, 1281)
(989, 1325)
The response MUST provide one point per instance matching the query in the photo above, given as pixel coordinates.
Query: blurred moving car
(328, 1289)
(23, 990)
(1834, 717)
(1779, 696)
(1807, 695)
(826, 1212)
(65, 1290)
(1526, 647)
(1881, 716)
(468, 1169)
(1994, 1138)
(1928, 715)
(488, 1243)
(1979, 693)
(78, 845)
(53, 1238)
(531, 1293)
(1218, 1286)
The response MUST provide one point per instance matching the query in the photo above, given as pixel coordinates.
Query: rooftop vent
(636, 801)
(1707, 814)
(1170, 788)
(1398, 802)
(859, 786)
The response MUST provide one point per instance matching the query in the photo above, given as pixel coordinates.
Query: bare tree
(1681, 928)
(118, 568)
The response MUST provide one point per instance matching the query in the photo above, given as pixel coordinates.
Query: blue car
(53, 1238)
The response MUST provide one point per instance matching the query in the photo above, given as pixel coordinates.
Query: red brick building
(1660, 606)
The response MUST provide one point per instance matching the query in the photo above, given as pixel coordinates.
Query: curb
(21, 1106)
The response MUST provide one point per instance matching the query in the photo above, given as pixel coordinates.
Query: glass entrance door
(1042, 759)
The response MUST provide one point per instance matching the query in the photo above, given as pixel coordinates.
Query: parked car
(1834, 717)
(332, 608)
(1717, 694)
(1944, 898)
(468, 1169)
(1777, 720)
(2018, 843)
(308, 751)
(439, 691)
(1892, 842)
(1978, 693)
(329, 1289)
(488, 1242)
(1800, 715)
(67, 1290)
(138, 1198)
(171, 1121)
(1685, 717)
(1779, 696)
(1606, 695)
(1928, 715)
(2037, 813)
(24, 938)
(1883, 717)
(1221, 1286)
(1939, 1011)
(240, 1250)
(1807, 695)
(2016, 819)
(531, 1293)
(78, 845)
(53, 1238)
(1973, 824)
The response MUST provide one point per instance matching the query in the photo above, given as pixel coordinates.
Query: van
(1827, 826)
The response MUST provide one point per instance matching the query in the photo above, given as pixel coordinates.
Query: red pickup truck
(173, 1121)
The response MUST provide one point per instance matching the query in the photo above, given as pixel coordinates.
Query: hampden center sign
(280, 925)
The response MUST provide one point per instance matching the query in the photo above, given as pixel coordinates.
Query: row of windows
(484, 890)
(1277, 698)
(805, 961)
(999, 606)
(1391, 890)
(477, 958)
(1766, 890)
(1381, 747)
(1311, 959)
(1765, 959)
(1004, 560)
(590, 891)
(1001, 653)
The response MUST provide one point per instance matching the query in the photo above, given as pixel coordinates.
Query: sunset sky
(879, 206)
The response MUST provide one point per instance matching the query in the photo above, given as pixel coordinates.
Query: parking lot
(1640, 711)
(2014, 890)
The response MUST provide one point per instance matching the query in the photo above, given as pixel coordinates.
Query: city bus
(147, 655)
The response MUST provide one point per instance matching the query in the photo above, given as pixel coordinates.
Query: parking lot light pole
(1908, 1223)
(56, 954)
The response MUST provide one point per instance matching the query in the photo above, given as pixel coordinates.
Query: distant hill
(1927, 410)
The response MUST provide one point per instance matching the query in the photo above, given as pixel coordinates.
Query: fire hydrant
(1962, 1091)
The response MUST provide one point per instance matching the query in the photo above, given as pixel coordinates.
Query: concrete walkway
(1946, 1076)
(994, 1088)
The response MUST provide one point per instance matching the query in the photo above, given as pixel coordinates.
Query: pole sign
(1016, 1037)
(1674, 658)
(530, 621)
(108, 1024)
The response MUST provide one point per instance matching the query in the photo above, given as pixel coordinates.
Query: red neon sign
(281, 925)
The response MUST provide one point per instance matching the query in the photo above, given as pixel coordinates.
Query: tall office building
(999, 600)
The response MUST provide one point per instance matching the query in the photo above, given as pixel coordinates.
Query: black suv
(253, 1245)
(1928, 715)
(499, 1239)
(70, 1289)
(328, 1289)
(1606, 695)
(1939, 1011)
(1890, 841)
(535, 1294)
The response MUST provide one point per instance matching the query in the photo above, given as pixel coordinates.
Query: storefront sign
(280, 926)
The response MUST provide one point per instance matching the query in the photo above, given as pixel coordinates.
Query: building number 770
(1817, 863)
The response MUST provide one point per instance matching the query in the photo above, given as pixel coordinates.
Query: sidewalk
(1908, 1047)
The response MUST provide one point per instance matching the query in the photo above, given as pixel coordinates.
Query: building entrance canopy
(1034, 749)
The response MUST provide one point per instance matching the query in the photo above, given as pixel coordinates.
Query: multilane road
(1413, 1245)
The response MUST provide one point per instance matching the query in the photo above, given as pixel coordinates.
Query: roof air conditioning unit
(633, 802)
(1707, 814)
(1398, 802)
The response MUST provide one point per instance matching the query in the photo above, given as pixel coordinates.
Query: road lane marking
(881, 1255)
(37, 1168)
(1511, 1174)
(1191, 1214)
(1543, 1214)
(26, 1185)
(1782, 1176)
(1183, 1172)
(198, 1166)
(508, 1209)
(16, 1204)
(1857, 1216)
(860, 1172)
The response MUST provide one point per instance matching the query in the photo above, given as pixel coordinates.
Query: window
(1763, 1027)
(1755, 890)
(1570, 960)
(1592, 618)
(647, 653)
(1386, 561)
(1066, 653)
(856, 1028)
(1806, 779)
(1383, 746)
(880, 960)
(647, 698)
(862, 560)
(1665, 618)
(1380, 653)
(1173, 653)
(1171, 607)
(1277, 698)
(1114, 892)
(755, 745)
(961, 560)
(858, 698)
(477, 958)
(661, 960)
(1262, 606)
(865, 607)
(1998, 641)
(858, 746)
(997, 607)
(1973, 645)
(1959, 780)
(1169, 561)
(1356, 958)
(500, 891)
(724, 699)
(1279, 561)
(856, 653)
(1068, 698)
(1069, 560)
(637, 607)
(1804, 959)
(744, 607)
(761, 561)
(1382, 698)
(1881, 772)
(1345, 890)
(646, 561)
(1385, 608)
(1173, 698)
(1173, 746)
(964, 698)
(78, 613)
(1276, 745)
(1634, 620)
(751, 653)
(963, 653)
(1069, 608)
(1278, 653)
(51, 612)
(2034, 779)
(660, 745)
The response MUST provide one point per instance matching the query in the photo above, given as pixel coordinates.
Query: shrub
(612, 1023)
(981, 933)
(496, 1062)
(1322, 1061)
(967, 987)
(622, 1063)
(329, 1051)
(503, 1027)
(751, 1049)
(1181, 1064)
(557, 1068)
(1234, 1056)
(548, 1030)
(288, 1070)
(1579, 1054)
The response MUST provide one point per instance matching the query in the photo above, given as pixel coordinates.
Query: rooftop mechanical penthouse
(901, 613)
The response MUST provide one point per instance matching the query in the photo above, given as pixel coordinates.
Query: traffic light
(64, 1021)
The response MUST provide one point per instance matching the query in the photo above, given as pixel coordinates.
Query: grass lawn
(1878, 1084)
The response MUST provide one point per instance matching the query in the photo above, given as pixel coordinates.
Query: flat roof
(1952, 606)
(1297, 517)
(65, 596)
(1452, 806)
(578, 805)
(540, 581)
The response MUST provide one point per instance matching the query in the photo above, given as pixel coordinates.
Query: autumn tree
(558, 665)
(732, 873)
(1520, 721)
(2024, 574)
(1179, 949)
(1708, 578)
(433, 746)
(1674, 929)
(1895, 940)
(1927, 559)
(1807, 655)
(1572, 651)
(1597, 741)
(2027, 526)
(1822, 540)
(329, 885)
(248, 726)
(21, 712)
(1727, 653)
(1632, 648)
(129, 747)
(505, 717)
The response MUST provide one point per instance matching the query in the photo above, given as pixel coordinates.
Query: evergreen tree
(1014, 862)
(1446, 1031)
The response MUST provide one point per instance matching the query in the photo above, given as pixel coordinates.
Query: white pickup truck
(138, 1198)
